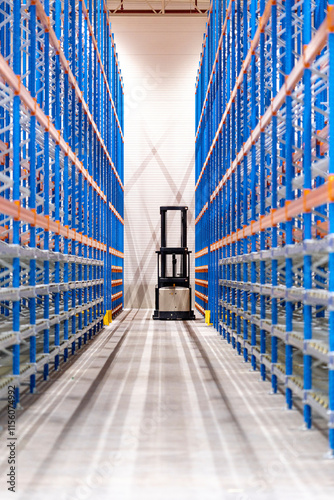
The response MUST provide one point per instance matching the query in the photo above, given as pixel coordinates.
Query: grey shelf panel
(32, 368)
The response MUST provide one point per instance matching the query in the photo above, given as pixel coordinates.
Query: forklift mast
(173, 291)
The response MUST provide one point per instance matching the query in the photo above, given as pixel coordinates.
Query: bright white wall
(159, 60)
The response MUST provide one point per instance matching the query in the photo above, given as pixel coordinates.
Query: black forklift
(173, 292)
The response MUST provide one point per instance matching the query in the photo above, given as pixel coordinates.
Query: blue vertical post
(253, 176)
(16, 186)
(224, 167)
(90, 166)
(113, 157)
(238, 174)
(85, 196)
(262, 193)
(274, 317)
(307, 216)
(46, 311)
(331, 227)
(109, 177)
(319, 119)
(32, 183)
(73, 145)
(232, 156)
(219, 153)
(79, 183)
(66, 173)
(289, 174)
(245, 181)
(227, 185)
(57, 122)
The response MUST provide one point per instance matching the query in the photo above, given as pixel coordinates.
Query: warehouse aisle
(165, 410)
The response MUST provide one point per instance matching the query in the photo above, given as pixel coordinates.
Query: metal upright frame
(61, 183)
(265, 191)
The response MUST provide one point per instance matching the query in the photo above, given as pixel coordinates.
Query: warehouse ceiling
(158, 7)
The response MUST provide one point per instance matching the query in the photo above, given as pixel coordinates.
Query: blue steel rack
(265, 191)
(61, 183)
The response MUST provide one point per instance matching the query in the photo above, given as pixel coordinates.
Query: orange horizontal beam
(220, 43)
(202, 212)
(201, 296)
(201, 269)
(310, 52)
(200, 308)
(17, 212)
(115, 252)
(106, 10)
(114, 211)
(116, 282)
(117, 269)
(202, 252)
(309, 200)
(45, 20)
(262, 23)
(204, 283)
(205, 35)
(25, 164)
(91, 32)
(16, 85)
(117, 296)
(117, 308)
(14, 210)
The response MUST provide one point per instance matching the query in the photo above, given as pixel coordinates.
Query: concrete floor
(164, 411)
